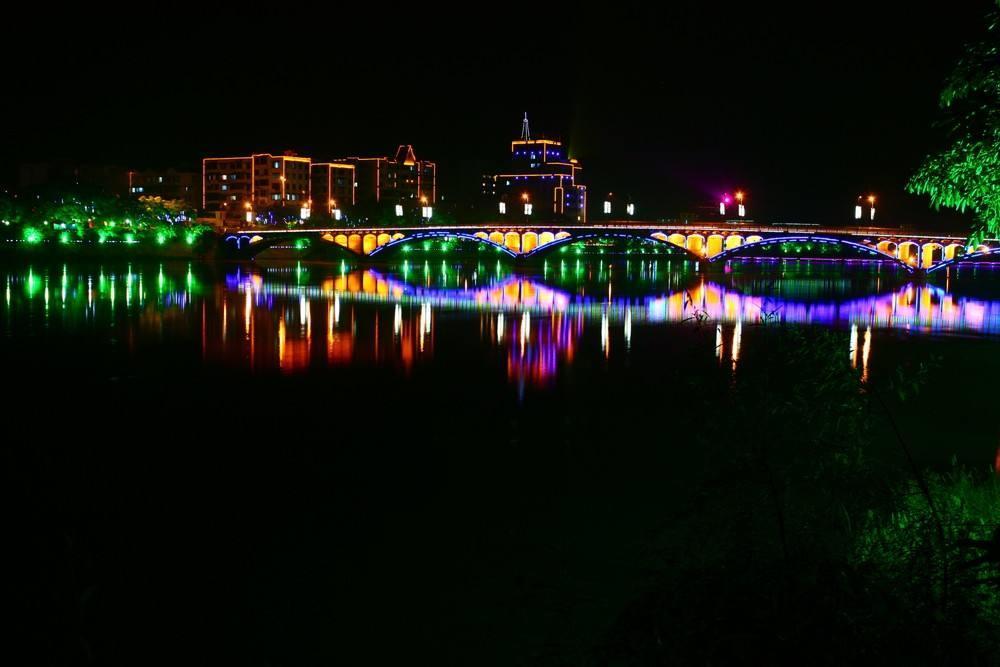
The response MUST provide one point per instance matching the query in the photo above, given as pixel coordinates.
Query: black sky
(804, 106)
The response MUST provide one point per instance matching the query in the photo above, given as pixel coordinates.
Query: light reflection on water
(292, 318)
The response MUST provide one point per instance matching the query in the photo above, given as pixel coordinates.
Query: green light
(32, 236)
(161, 238)
(130, 238)
(190, 238)
(64, 237)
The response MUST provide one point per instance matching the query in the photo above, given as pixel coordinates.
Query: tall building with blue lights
(540, 184)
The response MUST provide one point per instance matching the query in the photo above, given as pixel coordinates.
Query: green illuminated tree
(965, 175)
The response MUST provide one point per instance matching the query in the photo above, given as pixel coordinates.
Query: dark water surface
(424, 461)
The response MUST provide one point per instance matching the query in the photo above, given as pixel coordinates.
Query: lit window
(161, 179)
(275, 197)
(527, 209)
(630, 209)
(607, 207)
(503, 207)
(224, 187)
(399, 210)
(225, 177)
(277, 164)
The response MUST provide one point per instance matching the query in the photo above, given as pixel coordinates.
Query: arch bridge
(711, 243)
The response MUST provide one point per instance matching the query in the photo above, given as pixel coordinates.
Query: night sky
(804, 109)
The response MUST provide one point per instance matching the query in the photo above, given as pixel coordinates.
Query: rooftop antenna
(525, 132)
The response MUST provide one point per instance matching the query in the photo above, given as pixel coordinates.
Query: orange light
(423, 200)
(871, 199)
(524, 196)
(739, 196)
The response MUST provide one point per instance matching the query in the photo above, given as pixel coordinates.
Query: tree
(965, 175)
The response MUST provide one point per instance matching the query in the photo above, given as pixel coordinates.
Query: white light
(607, 207)
(722, 208)
(873, 212)
(527, 209)
(249, 216)
(399, 210)
(630, 209)
(857, 212)
(503, 208)
(336, 214)
(743, 211)
(304, 213)
(426, 211)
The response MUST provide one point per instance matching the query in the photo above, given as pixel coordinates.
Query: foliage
(97, 218)
(801, 548)
(898, 546)
(965, 175)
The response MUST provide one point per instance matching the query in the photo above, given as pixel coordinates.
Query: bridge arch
(678, 240)
(431, 234)
(529, 241)
(695, 243)
(250, 244)
(908, 252)
(733, 241)
(980, 252)
(750, 245)
(953, 250)
(887, 247)
(714, 244)
(931, 254)
(564, 238)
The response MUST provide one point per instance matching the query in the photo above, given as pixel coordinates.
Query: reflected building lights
(737, 342)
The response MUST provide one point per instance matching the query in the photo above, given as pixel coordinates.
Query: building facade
(540, 183)
(333, 186)
(401, 179)
(235, 186)
(166, 184)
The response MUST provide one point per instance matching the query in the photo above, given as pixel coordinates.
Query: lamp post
(741, 210)
(527, 204)
(871, 205)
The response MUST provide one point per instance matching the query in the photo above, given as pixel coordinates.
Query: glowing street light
(527, 204)
(630, 208)
(399, 210)
(726, 199)
(871, 204)
(741, 209)
(249, 212)
(503, 208)
(857, 210)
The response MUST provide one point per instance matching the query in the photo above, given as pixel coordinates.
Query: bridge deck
(627, 225)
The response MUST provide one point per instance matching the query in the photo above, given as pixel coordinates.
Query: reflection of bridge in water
(915, 306)
(541, 327)
(713, 243)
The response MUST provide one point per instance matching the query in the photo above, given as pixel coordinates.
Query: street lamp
(249, 213)
(857, 209)
(741, 209)
(726, 199)
(871, 204)
(527, 203)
